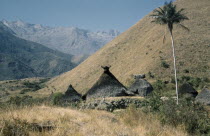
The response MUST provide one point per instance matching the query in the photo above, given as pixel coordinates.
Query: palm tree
(168, 15)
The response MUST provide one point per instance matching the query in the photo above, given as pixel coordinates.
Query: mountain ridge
(140, 50)
(20, 58)
(70, 40)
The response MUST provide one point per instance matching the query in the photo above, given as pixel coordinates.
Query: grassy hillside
(21, 87)
(140, 50)
(21, 58)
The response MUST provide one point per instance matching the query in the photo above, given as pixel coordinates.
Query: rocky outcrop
(186, 90)
(140, 86)
(204, 96)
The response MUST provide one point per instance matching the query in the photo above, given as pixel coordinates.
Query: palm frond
(161, 10)
(184, 27)
(168, 15)
(158, 12)
(181, 10)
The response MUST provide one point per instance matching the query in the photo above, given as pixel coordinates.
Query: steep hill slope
(70, 40)
(140, 49)
(21, 58)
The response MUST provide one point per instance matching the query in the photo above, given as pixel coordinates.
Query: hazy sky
(89, 14)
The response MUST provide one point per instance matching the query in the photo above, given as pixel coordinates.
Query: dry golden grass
(148, 124)
(138, 50)
(71, 122)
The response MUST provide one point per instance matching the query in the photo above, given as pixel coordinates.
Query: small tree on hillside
(168, 15)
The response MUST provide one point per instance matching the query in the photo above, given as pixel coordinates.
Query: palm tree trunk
(172, 40)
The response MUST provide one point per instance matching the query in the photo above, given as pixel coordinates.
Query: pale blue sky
(88, 14)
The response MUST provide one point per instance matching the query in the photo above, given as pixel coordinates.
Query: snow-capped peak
(19, 23)
(71, 40)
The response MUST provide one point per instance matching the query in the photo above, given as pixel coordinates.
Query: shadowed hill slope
(22, 59)
(140, 49)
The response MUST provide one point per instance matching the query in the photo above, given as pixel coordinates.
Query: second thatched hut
(72, 95)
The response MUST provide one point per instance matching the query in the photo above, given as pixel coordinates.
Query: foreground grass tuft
(68, 122)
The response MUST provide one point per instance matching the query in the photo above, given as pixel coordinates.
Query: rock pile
(204, 96)
(140, 87)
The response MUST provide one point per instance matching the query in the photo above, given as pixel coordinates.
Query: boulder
(141, 87)
(187, 90)
(204, 96)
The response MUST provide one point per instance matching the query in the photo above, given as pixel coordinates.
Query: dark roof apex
(106, 68)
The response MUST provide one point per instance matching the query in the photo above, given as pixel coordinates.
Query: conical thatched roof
(106, 86)
(72, 95)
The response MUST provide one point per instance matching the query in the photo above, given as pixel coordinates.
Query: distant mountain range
(20, 58)
(70, 40)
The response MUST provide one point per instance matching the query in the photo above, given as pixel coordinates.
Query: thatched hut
(72, 95)
(106, 86)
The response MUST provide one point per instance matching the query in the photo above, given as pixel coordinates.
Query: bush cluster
(60, 99)
(193, 116)
(164, 64)
(188, 113)
(25, 101)
(194, 81)
(57, 98)
(34, 86)
(159, 85)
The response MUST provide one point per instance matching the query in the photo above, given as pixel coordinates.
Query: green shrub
(188, 113)
(41, 81)
(34, 86)
(15, 100)
(185, 79)
(159, 85)
(25, 101)
(57, 98)
(173, 80)
(192, 116)
(154, 102)
(164, 64)
(150, 75)
(206, 79)
(194, 81)
(186, 71)
(25, 91)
